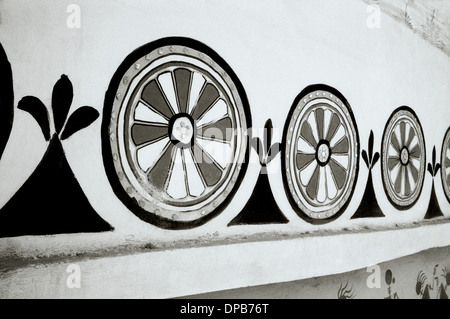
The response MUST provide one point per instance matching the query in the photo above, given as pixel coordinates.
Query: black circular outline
(403, 108)
(306, 91)
(442, 165)
(108, 161)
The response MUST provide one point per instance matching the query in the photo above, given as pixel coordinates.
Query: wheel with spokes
(321, 154)
(403, 158)
(174, 133)
(445, 164)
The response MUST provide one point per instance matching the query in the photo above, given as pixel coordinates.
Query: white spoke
(321, 194)
(341, 159)
(145, 114)
(215, 113)
(340, 133)
(331, 185)
(312, 121)
(391, 151)
(167, 86)
(219, 151)
(196, 187)
(177, 185)
(307, 172)
(412, 185)
(394, 173)
(327, 119)
(398, 135)
(304, 147)
(197, 84)
(148, 155)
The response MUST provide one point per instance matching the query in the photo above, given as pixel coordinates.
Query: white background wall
(275, 48)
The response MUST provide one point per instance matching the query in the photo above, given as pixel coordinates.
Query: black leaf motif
(364, 156)
(273, 151)
(375, 159)
(434, 157)
(81, 118)
(62, 97)
(268, 132)
(258, 146)
(37, 109)
(370, 145)
(430, 169)
(436, 168)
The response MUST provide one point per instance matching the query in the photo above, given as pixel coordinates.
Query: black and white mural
(190, 129)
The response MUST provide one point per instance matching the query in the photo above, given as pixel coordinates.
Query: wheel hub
(182, 130)
(323, 153)
(404, 156)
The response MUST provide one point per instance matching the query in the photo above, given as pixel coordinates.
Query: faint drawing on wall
(321, 154)
(434, 210)
(173, 133)
(262, 208)
(445, 164)
(390, 280)
(6, 100)
(51, 201)
(345, 291)
(437, 289)
(403, 158)
(428, 19)
(369, 205)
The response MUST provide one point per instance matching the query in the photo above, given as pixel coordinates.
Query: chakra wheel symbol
(403, 158)
(176, 134)
(321, 155)
(445, 164)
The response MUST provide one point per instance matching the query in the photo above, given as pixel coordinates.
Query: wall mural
(6, 100)
(433, 207)
(262, 207)
(51, 201)
(320, 161)
(403, 158)
(176, 140)
(445, 164)
(433, 286)
(428, 19)
(369, 206)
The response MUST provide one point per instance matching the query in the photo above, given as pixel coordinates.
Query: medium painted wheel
(403, 158)
(445, 164)
(176, 133)
(321, 155)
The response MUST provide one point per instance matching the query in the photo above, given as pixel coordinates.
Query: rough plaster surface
(139, 270)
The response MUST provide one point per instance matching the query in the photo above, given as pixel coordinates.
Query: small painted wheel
(403, 158)
(445, 164)
(176, 133)
(321, 155)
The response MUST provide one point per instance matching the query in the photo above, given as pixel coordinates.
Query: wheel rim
(403, 158)
(321, 155)
(445, 164)
(176, 134)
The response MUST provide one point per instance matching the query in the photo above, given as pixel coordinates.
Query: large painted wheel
(403, 158)
(321, 154)
(175, 139)
(445, 164)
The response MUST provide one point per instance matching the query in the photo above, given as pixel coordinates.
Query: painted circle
(321, 155)
(176, 146)
(445, 164)
(403, 158)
